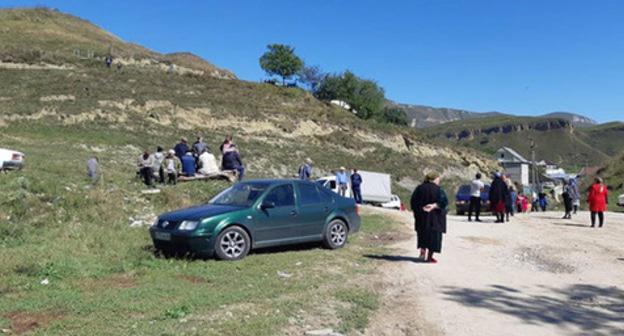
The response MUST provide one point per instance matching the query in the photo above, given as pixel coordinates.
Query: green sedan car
(255, 214)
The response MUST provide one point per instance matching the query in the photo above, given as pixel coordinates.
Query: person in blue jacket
(342, 180)
(181, 148)
(188, 164)
(356, 182)
(305, 170)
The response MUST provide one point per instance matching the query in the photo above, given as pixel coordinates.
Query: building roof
(514, 153)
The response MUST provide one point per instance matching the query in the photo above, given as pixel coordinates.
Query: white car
(395, 203)
(10, 159)
(621, 200)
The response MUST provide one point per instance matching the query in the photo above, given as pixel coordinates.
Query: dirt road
(537, 275)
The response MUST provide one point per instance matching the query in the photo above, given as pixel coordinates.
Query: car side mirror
(267, 205)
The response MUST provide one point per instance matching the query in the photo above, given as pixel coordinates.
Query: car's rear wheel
(336, 234)
(232, 243)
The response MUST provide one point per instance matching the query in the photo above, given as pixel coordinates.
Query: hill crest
(43, 35)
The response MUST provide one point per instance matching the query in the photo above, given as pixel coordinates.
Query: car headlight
(155, 224)
(188, 225)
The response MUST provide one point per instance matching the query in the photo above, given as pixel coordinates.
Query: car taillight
(16, 157)
(357, 209)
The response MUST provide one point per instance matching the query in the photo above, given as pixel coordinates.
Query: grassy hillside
(103, 276)
(46, 36)
(556, 139)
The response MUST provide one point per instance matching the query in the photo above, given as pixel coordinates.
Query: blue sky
(523, 57)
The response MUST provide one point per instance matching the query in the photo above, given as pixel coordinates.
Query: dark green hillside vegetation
(90, 243)
(556, 139)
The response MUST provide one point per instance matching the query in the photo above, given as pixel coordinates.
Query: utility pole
(534, 172)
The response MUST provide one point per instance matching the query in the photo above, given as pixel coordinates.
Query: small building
(514, 164)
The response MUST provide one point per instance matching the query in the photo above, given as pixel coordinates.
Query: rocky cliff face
(506, 128)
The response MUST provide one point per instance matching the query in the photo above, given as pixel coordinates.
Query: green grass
(104, 278)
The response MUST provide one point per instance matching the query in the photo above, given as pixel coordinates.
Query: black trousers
(475, 205)
(148, 174)
(357, 194)
(161, 175)
(600, 218)
(172, 178)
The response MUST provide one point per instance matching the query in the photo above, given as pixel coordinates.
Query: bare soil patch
(192, 279)
(23, 322)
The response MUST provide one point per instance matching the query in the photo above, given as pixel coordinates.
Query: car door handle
(293, 213)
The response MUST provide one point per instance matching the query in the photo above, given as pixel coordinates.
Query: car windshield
(465, 189)
(241, 194)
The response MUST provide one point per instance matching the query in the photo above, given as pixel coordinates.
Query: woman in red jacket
(598, 200)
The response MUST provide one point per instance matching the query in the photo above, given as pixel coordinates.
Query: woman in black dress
(429, 203)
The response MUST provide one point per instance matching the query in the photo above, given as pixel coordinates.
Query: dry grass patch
(23, 322)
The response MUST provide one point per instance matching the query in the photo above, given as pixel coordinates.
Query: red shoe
(432, 260)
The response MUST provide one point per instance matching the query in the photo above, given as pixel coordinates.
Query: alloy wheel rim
(233, 244)
(338, 234)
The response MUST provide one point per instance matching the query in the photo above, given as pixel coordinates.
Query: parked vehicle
(258, 213)
(376, 187)
(462, 199)
(395, 203)
(10, 159)
(621, 200)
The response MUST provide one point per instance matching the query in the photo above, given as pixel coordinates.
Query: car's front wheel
(232, 243)
(336, 234)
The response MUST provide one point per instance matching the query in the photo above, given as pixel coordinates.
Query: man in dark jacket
(429, 203)
(498, 195)
(232, 161)
(182, 148)
(356, 183)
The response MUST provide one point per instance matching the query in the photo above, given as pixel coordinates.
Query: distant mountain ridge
(422, 116)
(557, 139)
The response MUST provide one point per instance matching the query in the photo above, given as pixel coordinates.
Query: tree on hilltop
(281, 60)
(363, 95)
(311, 77)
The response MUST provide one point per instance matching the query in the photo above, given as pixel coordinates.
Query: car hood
(198, 212)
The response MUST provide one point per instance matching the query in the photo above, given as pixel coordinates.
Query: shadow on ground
(581, 306)
(385, 257)
(182, 255)
(573, 224)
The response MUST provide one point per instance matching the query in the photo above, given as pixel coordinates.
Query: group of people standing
(429, 204)
(505, 200)
(503, 197)
(343, 180)
(185, 160)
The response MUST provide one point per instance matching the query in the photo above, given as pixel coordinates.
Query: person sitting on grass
(207, 164)
(232, 161)
(188, 164)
